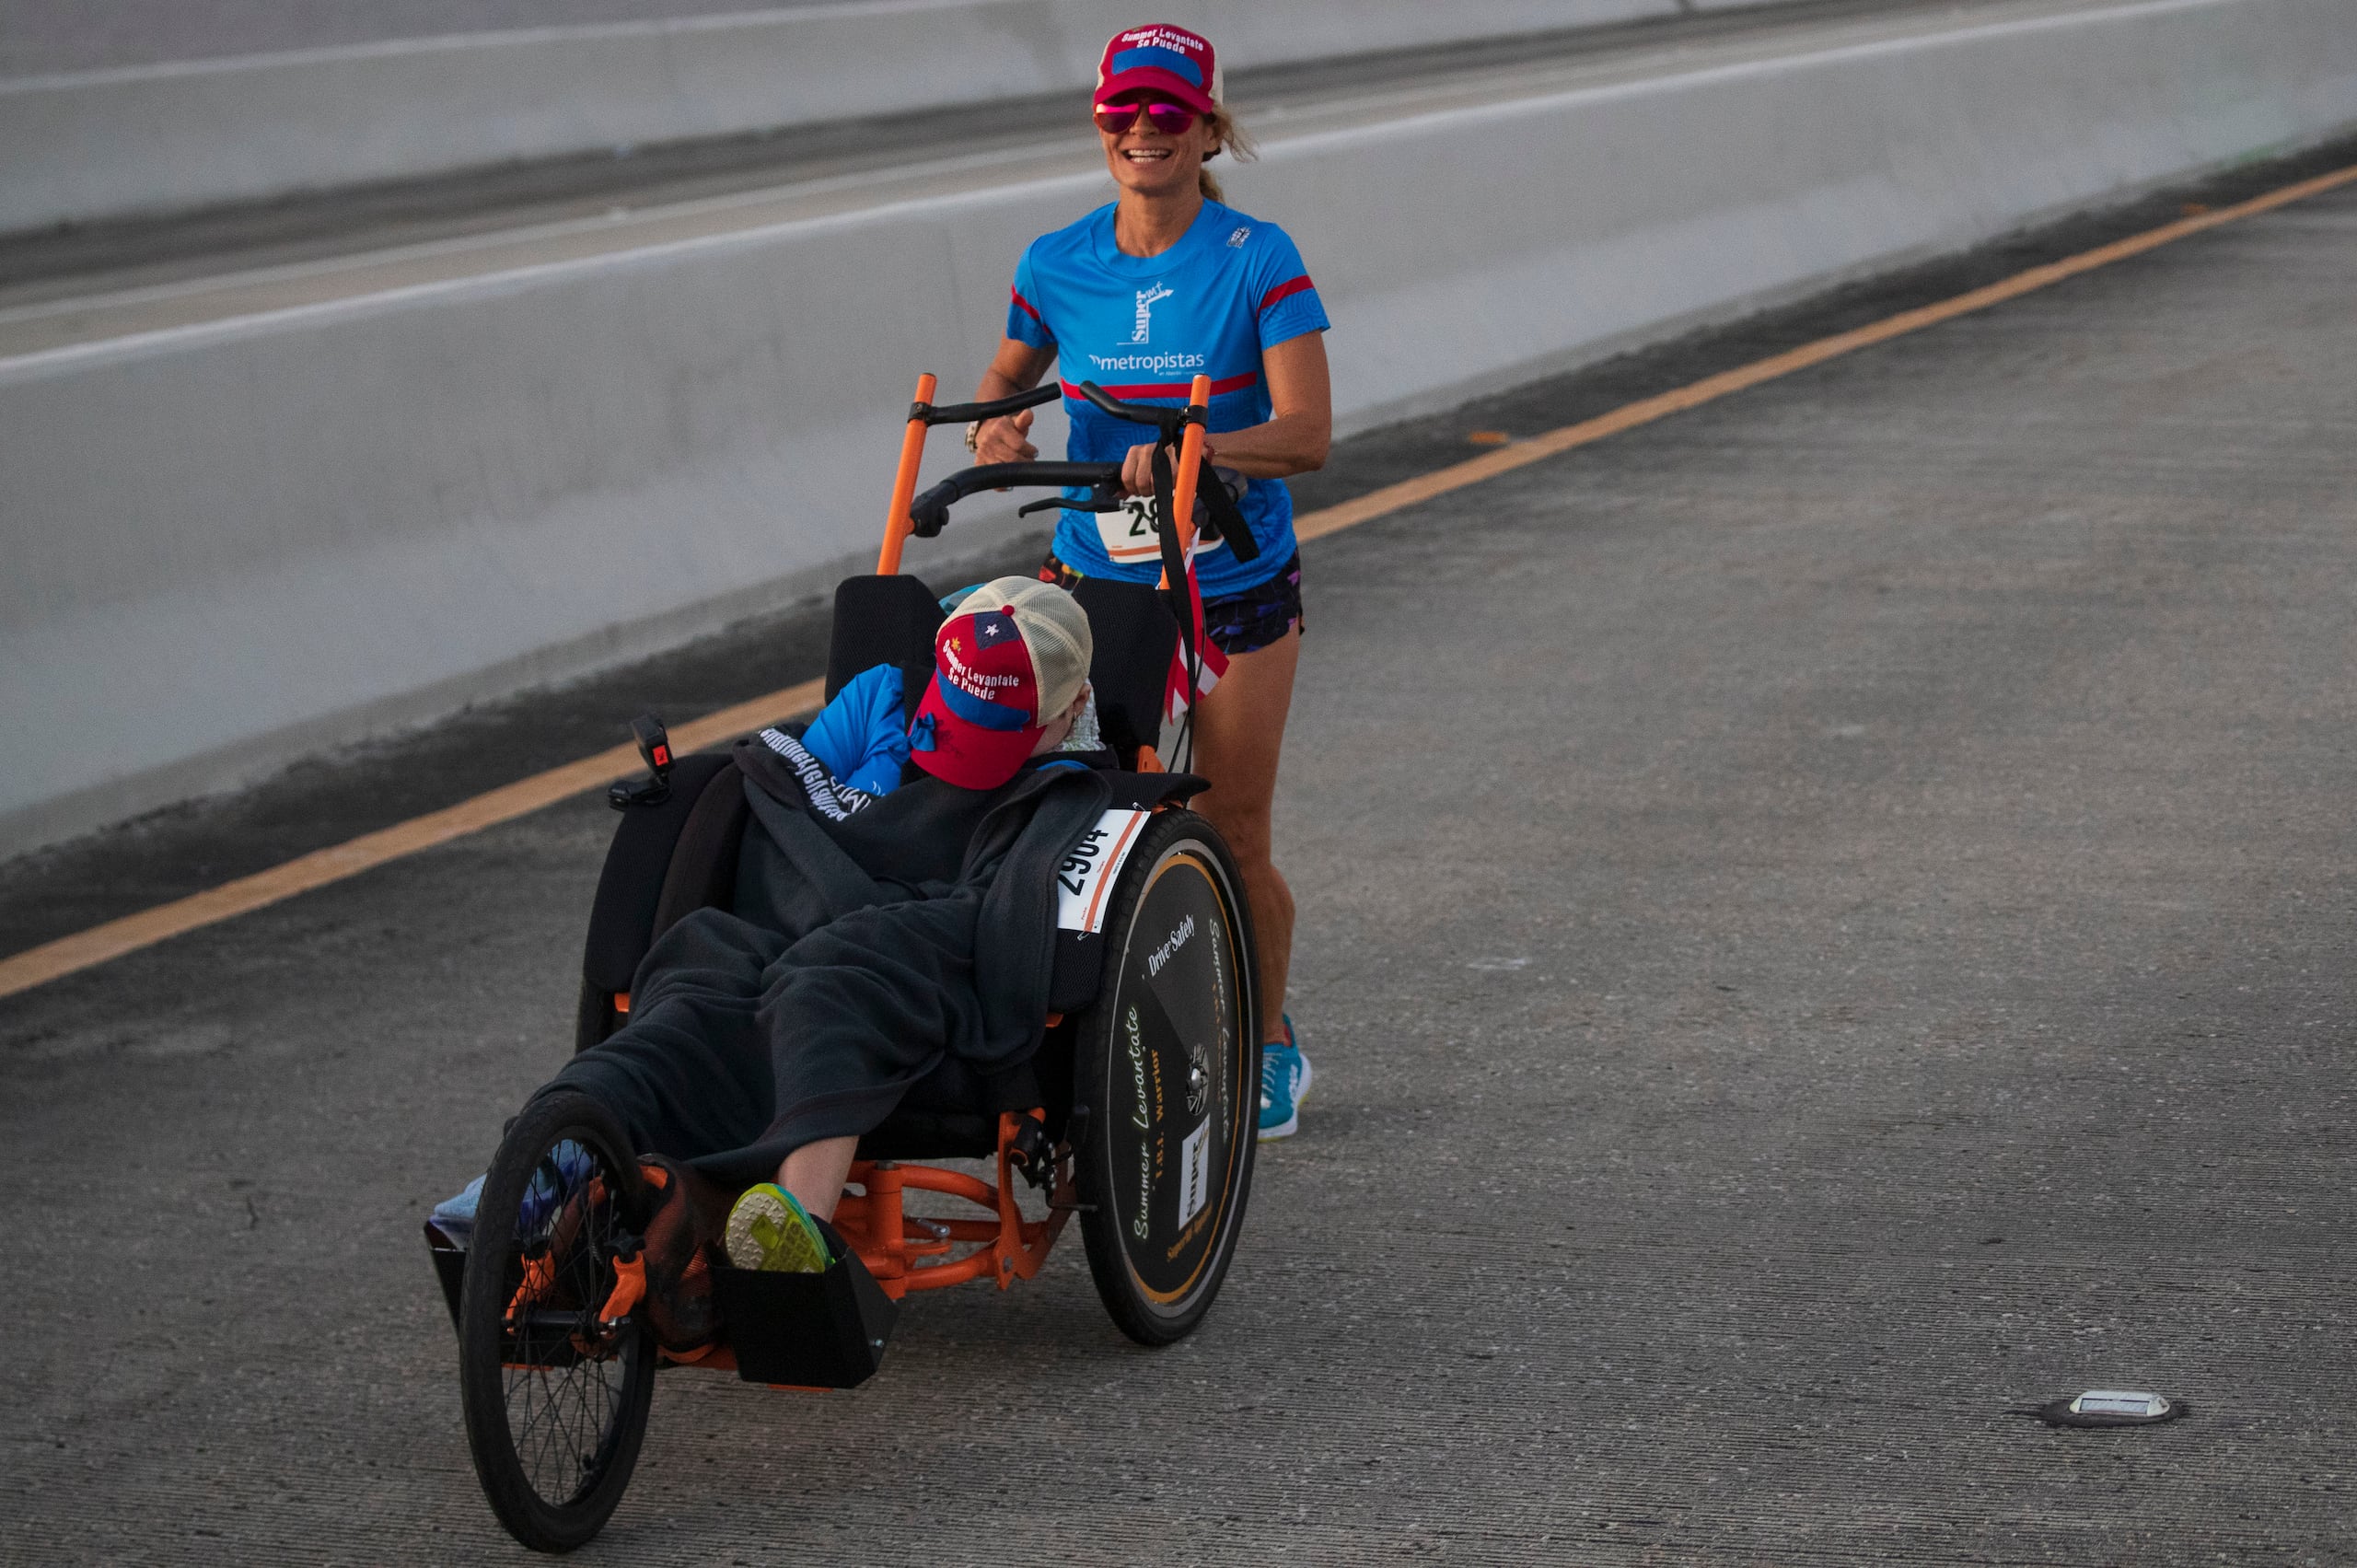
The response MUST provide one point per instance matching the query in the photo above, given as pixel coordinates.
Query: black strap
(1182, 608)
(1226, 516)
(1174, 560)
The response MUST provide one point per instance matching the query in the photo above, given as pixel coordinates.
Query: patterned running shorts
(1240, 622)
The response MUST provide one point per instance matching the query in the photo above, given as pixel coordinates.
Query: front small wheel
(555, 1399)
(1168, 1067)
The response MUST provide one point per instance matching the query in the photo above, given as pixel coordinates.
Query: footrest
(809, 1330)
(449, 1268)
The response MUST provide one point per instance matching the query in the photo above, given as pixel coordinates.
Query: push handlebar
(930, 512)
(1189, 480)
(967, 413)
(1169, 421)
(1217, 493)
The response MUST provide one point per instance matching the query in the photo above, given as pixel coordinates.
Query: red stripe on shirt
(1167, 388)
(1029, 308)
(1286, 291)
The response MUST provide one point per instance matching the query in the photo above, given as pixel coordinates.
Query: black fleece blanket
(910, 941)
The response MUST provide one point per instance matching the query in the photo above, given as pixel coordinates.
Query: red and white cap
(1160, 58)
(1010, 658)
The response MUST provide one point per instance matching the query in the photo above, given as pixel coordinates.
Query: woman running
(1140, 296)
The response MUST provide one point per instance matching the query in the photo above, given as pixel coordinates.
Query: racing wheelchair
(1148, 1061)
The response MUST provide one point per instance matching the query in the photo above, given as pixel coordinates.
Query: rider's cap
(1011, 656)
(1164, 59)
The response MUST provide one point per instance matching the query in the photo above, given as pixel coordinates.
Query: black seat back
(880, 621)
(1134, 635)
(666, 858)
(893, 619)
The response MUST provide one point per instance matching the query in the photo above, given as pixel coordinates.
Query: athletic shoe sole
(768, 1232)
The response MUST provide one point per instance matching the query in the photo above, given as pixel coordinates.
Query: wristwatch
(974, 437)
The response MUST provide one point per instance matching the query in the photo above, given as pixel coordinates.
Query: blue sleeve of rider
(860, 736)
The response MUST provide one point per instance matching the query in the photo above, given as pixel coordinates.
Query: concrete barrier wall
(230, 543)
(108, 143)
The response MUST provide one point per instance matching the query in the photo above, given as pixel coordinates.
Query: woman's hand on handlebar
(1295, 438)
(1137, 471)
(1005, 440)
(1137, 468)
(1016, 367)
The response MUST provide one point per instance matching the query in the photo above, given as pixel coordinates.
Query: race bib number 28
(1132, 533)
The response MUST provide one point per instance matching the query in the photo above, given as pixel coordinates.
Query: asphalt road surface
(1826, 920)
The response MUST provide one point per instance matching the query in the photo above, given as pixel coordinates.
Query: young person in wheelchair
(967, 915)
(893, 897)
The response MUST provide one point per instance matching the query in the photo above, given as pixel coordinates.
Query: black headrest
(880, 621)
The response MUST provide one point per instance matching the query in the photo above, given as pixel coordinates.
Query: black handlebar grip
(929, 513)
(1168, 420)
(967, 413)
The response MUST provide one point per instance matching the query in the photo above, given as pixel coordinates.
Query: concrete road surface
(1825, 920)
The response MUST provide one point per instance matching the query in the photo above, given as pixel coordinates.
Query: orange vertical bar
(1191, 461)
(904, 484)
(887, 1227)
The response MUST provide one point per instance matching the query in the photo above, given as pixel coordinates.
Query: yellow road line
(80, 951)
(100, 943)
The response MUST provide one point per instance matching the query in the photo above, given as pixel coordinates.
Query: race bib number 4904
(1085, 879)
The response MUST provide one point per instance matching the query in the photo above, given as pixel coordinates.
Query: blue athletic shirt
(1142, 328)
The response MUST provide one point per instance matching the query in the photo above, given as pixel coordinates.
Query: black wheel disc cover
(1173, 1112)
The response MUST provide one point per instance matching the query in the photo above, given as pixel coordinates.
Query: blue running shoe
(454, 1217)
(1285, 1082)
(567, 1166)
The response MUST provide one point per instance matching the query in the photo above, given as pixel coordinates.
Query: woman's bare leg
(1239, 730)
(815, 1174)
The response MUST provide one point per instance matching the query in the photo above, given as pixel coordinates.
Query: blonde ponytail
(1231, 140)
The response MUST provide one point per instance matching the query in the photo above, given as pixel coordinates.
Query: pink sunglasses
(1168, 118)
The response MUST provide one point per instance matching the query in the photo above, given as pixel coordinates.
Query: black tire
(555, 1407)
(1168, 1064)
